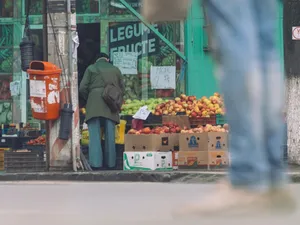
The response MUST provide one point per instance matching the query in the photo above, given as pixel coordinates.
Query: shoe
(227, 201)
(282, 201)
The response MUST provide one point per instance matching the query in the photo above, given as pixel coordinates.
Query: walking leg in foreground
(247, 55)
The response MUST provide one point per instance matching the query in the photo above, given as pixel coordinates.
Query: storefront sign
(132, 37)
(163, 77)
(126, 62)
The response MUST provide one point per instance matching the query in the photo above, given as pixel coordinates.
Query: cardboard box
(210, 141)
(218, 159)
(151, 142)
(192, 159)
(203, 159)
(175, 160)
(168, 142)
(147, 161)
(140, 143)
(217, 141)
(191, 142)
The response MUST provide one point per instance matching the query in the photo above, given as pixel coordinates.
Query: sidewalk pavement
(122, 176)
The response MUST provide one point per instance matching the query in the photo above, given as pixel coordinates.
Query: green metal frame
(200, 69)
(156, 32)
(200, 80)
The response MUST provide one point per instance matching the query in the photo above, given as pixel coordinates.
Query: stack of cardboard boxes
(173, 151)
(203, 150)
(150, 152)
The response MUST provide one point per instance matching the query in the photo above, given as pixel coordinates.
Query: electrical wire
(27, 28)
(65, 78)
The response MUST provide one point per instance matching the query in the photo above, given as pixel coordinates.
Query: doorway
(89, 38)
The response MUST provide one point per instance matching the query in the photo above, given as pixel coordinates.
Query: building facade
(112, 26)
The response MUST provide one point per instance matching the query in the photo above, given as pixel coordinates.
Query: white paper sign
(163, 77)
(142, 113)
(126, 62)
(75, 45)
(37, 88)
(15, 88)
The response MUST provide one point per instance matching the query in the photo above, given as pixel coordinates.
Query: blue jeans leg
(243, 84)
(266, 13)
(110, 146)
(95, 149)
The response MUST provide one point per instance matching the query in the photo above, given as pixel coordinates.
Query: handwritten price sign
(163, 77)
(126, 62)
(142, 113)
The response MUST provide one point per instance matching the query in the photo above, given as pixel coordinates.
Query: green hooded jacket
(95, 79)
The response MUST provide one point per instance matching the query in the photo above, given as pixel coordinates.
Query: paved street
(62, 203)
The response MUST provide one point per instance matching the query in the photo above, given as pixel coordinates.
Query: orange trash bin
(44, 90)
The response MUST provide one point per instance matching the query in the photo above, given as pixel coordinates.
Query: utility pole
(61, 41)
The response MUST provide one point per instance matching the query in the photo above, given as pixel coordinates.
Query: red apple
(178, 129)
(194, 114)
(132, 131)
(146, 130)
(173, 130)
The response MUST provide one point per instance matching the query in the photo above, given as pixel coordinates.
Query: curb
(121, 176)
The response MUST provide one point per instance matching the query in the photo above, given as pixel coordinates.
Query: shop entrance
(89, 37)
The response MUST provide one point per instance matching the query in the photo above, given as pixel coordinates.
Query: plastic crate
(81, 118)
(14, 142)
(25, 161)
(153, 119)
(119, 132)
(119, 154)
(35, 147)
(220, 119)
(2, 150)
(30, 133)
(202, 121)
(119, 159)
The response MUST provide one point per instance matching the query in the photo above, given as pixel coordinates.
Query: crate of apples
(195, 108)
(180, 104)
(41, 140)
(166, 128)
(207, 128)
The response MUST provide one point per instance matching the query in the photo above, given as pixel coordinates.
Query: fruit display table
(14, 142)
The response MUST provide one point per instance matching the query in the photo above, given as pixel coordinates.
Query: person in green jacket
(98, 114)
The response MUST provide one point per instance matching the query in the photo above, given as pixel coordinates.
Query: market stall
(180, 133)
(23, 148)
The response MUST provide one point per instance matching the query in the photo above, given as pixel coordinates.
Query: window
(35, 7)
(117, 8)
(6, 8)
(6, 69)
(6, 49)
(87, 6)
(125, 33)
(135, 37)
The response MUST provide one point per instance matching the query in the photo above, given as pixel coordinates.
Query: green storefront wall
(200, 79)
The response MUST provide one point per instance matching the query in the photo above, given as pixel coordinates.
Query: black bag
(113, 97)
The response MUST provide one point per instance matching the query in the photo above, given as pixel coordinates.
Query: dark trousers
(95, 149)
